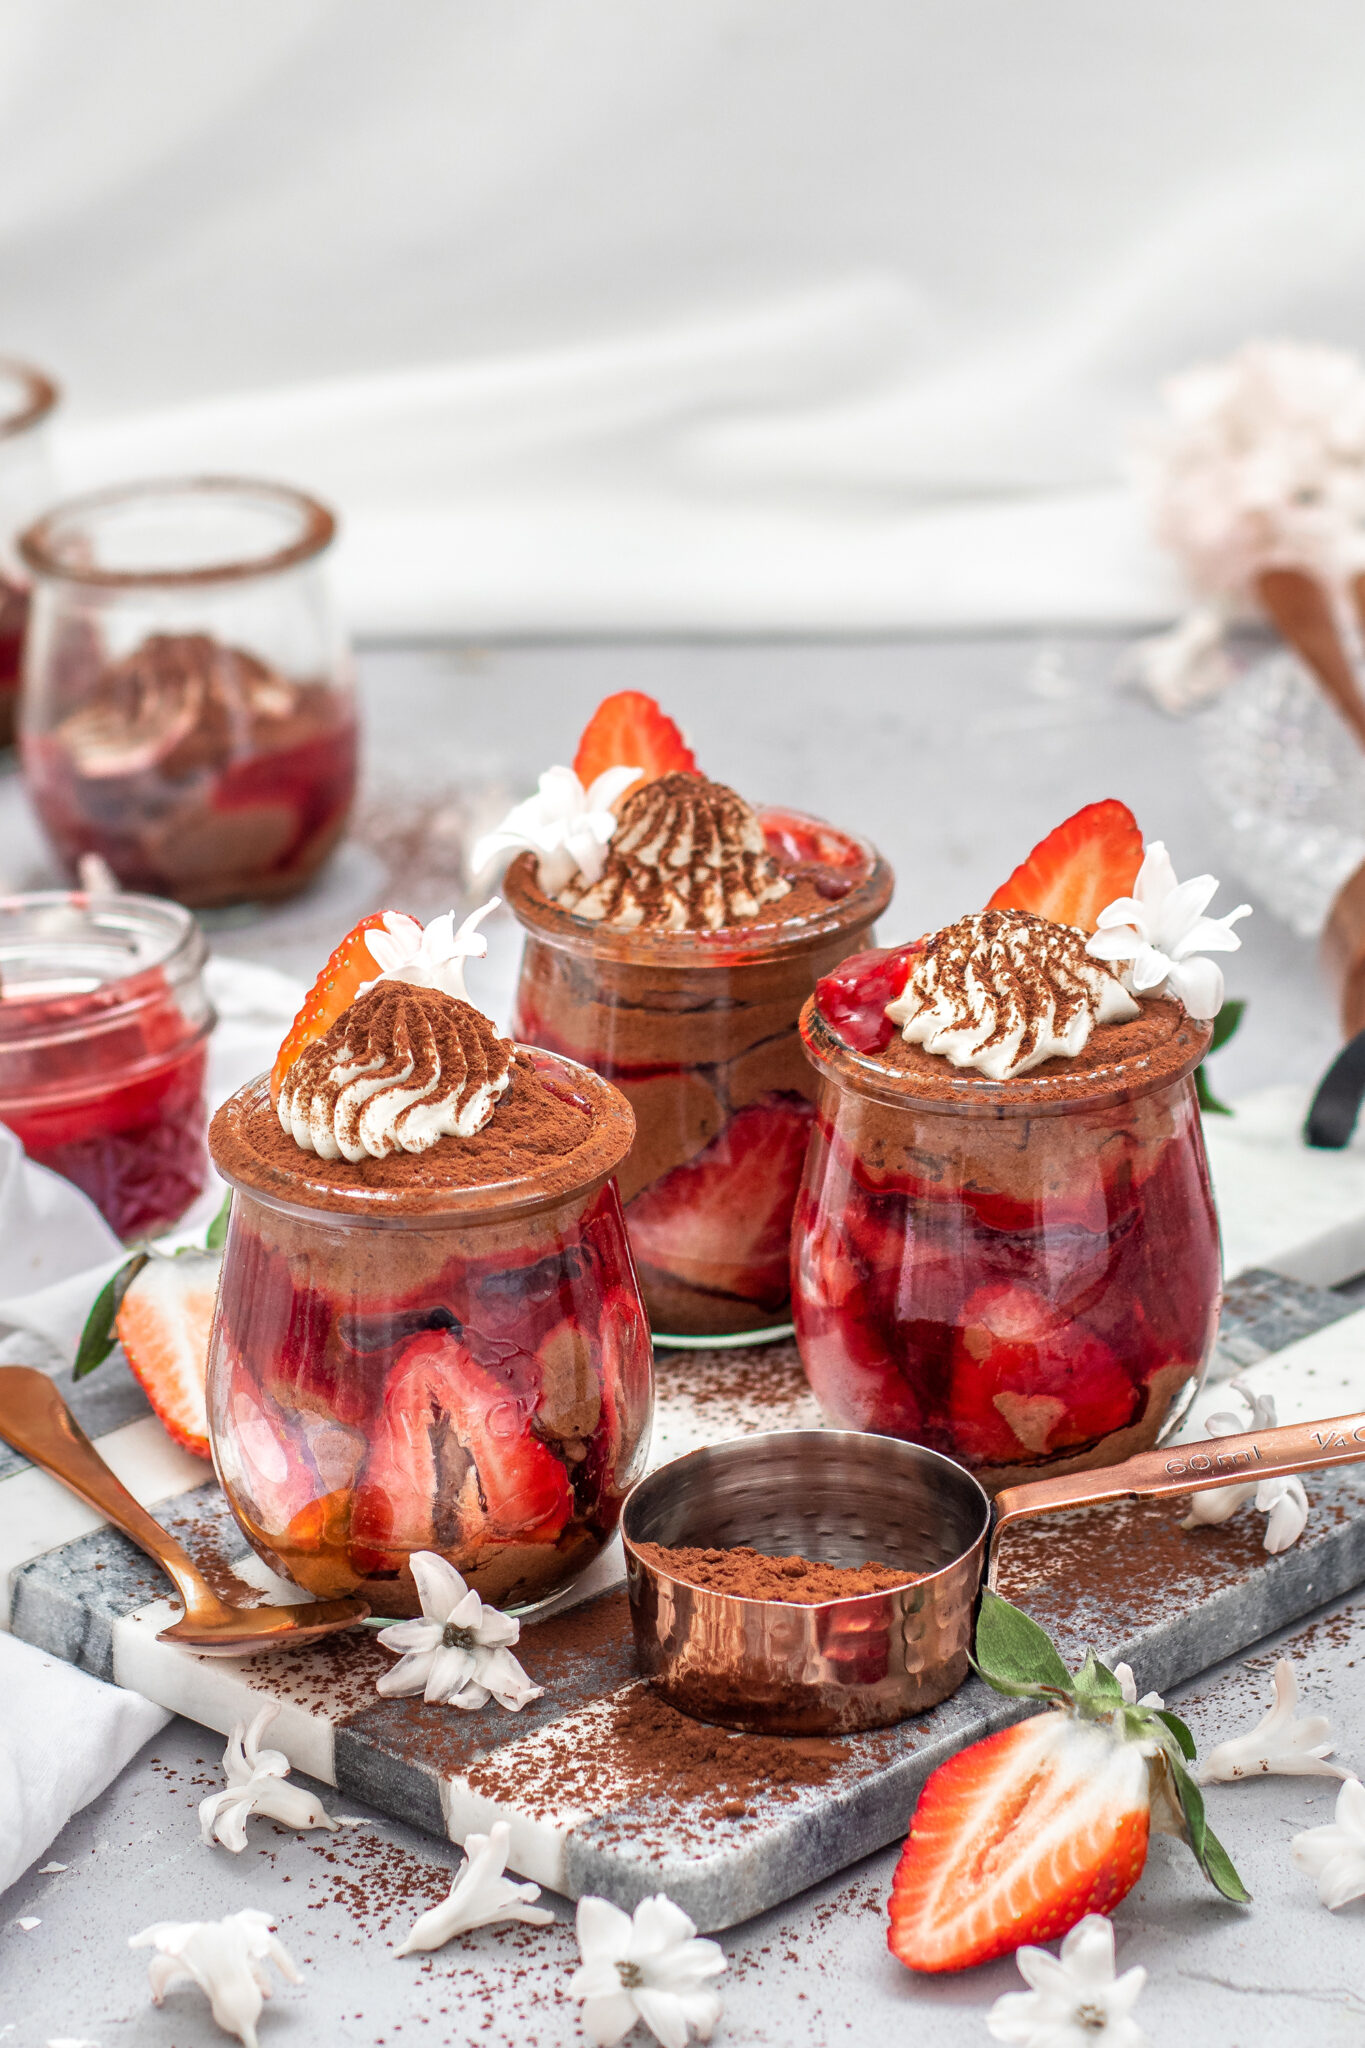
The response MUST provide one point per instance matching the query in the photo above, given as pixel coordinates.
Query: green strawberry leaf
(1213, 1858)
(1179, 1730)
(1014, 1655)
(215, 1237)
(1096, 1685)
(99, 1336)
(1224, 1027)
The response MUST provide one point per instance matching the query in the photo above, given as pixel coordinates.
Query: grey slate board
(1124, 1580)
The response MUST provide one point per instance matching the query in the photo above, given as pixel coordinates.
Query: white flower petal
(1199, 985)
(439, 1586)
(609, 2019)
(1286, 1504)
(1117, 942)
(410, 1635)
(1212, 935)
(1278, 1745)
(1334, 1855)
(1155, 880)
(409, 1675)
(1149, 969)
(451, 1670)
(603, 1930)
(495, 1629)
(505, 1679)
(1182, 909)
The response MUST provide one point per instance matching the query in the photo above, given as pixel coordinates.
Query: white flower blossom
(1128, 1687)
(225, 1958)
(255, 1784)
(649, 1967)
(1278, 1746)
(1283, 1501)
(432, 956)
(1076, 2000)
(1261, 464)
(1161, 929)
(479, 1896)
(568, 827)
(460, 1651)
(1334, 1855)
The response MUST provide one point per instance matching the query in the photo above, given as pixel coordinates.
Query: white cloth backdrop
(724, 314)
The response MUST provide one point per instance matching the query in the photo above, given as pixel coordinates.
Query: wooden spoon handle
(1301, 608)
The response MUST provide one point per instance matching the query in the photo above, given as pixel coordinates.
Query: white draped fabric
(727, 315)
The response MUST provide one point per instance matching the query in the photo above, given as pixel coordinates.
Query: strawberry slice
(1017, 1838)
(853, 996)
(1080, 868)
(335, 989)
(453, 1461)
(163, 1324)
(628, 730)
(722, 1220)
(1028, 1382)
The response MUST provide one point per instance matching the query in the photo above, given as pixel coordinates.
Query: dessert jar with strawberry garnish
(1005, 1245)
(188, 708)
(103, 1027)
(429, 1334)
(672, 934)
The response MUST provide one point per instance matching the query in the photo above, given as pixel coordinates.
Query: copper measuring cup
(842, 1497)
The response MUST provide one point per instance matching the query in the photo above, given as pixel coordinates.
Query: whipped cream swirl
(1002, 991)
(687, 855)
(402, 1067)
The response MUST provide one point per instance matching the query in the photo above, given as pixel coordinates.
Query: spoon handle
(35, 1419)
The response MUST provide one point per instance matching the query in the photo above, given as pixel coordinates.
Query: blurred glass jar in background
(188, 709)
(104, 1024)
(27, 399)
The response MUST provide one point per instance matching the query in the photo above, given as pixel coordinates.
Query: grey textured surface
(955, 756)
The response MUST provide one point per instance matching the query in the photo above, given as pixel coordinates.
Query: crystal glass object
(188, 709)
(1287, 779)
(465, 1370)
(1023, 1274)
(699, 1030)
(27, 401)
(103, 1023)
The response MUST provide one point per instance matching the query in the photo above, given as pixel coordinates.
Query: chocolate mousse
(194, 769)
(675, 960)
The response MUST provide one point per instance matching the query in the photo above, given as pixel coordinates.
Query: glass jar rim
(752, 942)
(182, 955)
(596, 1159)
(40, 395)
(41, 544)
(973, 1094)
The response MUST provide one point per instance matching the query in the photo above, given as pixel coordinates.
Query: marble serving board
(591, 1797)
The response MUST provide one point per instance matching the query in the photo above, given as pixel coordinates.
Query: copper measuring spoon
(843, 1497)
(35, 1419)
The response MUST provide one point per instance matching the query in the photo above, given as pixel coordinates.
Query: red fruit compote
(188, 710)
(1004, 1249)
(679, 971)
(103, 1023)
(429, 1334)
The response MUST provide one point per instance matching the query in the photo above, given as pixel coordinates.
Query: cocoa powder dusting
(529, 1125)
(752, 1575)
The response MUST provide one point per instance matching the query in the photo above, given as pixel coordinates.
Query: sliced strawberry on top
(163, 1323)
(335, 989)
(853, 996)
(628, 730)
(1028, 1382)
(722, 1220)
(1016, 1839)
(1082, 866)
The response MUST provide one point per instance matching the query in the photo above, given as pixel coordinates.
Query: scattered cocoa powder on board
(752, 1575)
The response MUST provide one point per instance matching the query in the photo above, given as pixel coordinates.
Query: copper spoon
(35, 1419)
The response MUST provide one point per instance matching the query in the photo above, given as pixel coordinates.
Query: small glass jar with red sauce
(188, 706)
(104, 1021)
(27, 400)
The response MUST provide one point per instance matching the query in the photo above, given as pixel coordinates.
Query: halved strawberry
(1082, 866)
(628, 730)
(1028, 1382)
(335, 989)
(722, 1221)
(453, 1461)
(1016, 1839)
(853, 996)
(163, 1323)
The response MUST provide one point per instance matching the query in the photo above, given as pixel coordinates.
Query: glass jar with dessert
(27, 401)
(103, 1027)
(188, 710)
(429, 1334)
(1005, 1245)
(672, 935)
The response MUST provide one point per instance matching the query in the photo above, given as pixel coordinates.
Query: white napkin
(64, 1736)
